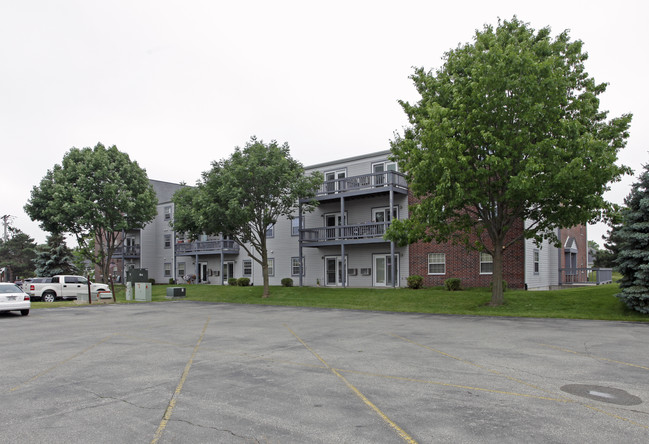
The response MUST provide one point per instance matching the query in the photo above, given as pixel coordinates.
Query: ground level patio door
(333, 271)
(228, 271)
(202, 272)
(383, 270)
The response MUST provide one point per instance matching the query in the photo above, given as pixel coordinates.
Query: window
(167, 240)
(167, 269)
(295, 266)
(247, 267)
(271, 267)
(270, 231)
(295, 227)
(167, 211)
(436, 263)
(486, 263)
(181, 269)
(536, 261)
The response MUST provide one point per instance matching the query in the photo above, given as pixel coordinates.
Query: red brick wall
(580, 234)
(465, 265)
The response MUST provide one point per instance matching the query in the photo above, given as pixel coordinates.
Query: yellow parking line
(174, 397)
(402, 433)
(445, 384)
(613, 415)
(495, 372)
(58, 364)
(593, 356)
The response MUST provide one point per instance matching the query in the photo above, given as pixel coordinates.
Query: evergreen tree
(633, 242)
(16, 255)
(55, 258)
(606, 258)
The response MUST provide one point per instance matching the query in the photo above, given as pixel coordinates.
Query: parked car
(62, 287)
(12, 298)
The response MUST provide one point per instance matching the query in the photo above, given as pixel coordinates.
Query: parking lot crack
(247, 438)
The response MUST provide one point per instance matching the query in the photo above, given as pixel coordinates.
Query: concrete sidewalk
(190, 372)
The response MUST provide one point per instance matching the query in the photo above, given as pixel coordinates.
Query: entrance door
(333, 271)
(332, 220)
(383, 270)
(333, 181)
(383, 167)
(228, 271)
(202, 272)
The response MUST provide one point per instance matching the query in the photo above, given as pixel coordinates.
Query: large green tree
(507, 130)
(94, 193)
(633, 243)
(241, 197)
(16, 255)
(54, 257)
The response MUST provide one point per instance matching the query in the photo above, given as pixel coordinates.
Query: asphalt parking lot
(189, 372)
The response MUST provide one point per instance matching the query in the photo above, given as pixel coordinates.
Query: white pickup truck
(63, 287)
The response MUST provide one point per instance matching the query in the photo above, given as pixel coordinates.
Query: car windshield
(9, 289)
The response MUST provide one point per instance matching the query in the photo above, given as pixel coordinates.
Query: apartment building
(341, 242)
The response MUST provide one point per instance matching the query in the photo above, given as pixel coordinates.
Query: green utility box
(176, 292)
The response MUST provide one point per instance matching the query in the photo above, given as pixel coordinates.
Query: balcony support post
(343, 220)
(392, 258)
(299, 242)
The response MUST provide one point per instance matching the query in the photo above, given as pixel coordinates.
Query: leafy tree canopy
(94, 194)
(633, 243)
(507, 130)
(241, 197)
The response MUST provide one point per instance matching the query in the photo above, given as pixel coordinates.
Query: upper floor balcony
(127, 252)
(207, 247)
(365, 184)
(371, 232)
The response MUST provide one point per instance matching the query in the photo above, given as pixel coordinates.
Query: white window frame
(181, 269)
(270, 231)
(432, 261)
(246, 263)
(167, 240)
(336, 175)
(167, 269)
(295, 226)
(167, 212)
(485, 259)
(271, 266)
(536, 260)
(295, 266)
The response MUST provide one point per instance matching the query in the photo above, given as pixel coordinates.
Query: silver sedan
(12, 298)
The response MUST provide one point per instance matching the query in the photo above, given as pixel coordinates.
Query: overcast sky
(178, 84)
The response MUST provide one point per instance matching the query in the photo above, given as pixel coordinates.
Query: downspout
(299, 243)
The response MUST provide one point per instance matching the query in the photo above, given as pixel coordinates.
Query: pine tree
(633, 242)
(54, 258)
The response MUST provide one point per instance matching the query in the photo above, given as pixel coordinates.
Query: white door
(333, 179)
(228, 271)
(383, 167)
(333, 271)
(383, 270)
(202, 272)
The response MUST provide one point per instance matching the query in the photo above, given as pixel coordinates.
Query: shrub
(287, 282)
(172, 281)
(232, 281)
(415, 281)
(453, 284)
(151, 281)
(491, 285)
(243, 282)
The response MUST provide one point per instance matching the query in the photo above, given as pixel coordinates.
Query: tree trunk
(264, 272)
(497, 298)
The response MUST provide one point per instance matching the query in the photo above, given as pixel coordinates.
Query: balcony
(348, 234)
(207, 247)
(127, 252)
(362, 185)
(585, 276)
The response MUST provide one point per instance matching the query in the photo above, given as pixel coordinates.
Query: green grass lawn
(596, 302)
